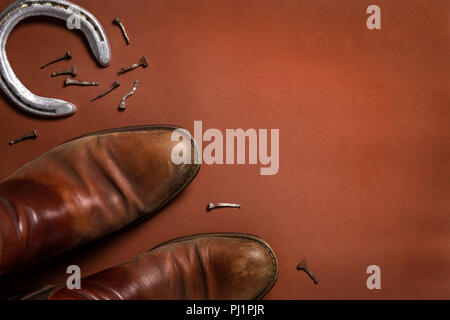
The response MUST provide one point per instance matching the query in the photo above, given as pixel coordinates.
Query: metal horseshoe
(22, 9)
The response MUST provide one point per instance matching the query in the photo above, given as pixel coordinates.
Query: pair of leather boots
(100, 183)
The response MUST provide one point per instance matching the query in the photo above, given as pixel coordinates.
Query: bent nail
(304, 267)
(122, 106)
(32, 135)
(122, 27)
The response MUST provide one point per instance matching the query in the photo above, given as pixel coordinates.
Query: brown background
(364, 125)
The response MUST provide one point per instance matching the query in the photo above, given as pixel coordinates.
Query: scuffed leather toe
(236, 266)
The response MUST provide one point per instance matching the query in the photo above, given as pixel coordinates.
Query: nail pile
(143, 62)
(73, 72)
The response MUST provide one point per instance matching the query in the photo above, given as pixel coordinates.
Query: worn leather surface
(87, 188)
(364, 131)
(202, 267)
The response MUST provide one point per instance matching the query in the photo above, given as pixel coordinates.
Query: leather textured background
(364, 131)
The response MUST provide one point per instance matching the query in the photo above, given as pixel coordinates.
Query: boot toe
(239, 266)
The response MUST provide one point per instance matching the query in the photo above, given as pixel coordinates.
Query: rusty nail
(304, 267)
(72, 71)
(115, 85)
(142, 63)
(32, 135)
(67, 56)
(71, 82)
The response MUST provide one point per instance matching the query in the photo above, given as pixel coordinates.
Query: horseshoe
(62, 9)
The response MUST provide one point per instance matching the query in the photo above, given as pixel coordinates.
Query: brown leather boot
(87, 188)
(223, 266)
